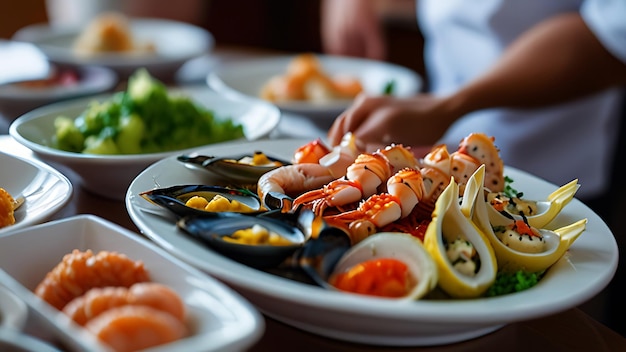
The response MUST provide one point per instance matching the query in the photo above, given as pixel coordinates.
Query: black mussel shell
(319, 256)
(230, 168)
(211, 231)
(174, 198)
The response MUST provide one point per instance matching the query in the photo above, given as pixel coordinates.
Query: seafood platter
(99, 287)
(380, 248)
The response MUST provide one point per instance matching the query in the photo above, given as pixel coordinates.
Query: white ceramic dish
(248, 76)
(17, 99)
(219, 318)
(13, 311)
(44, 189)
(14, 341)
(175, 42)
(110, 175)
(592, 259)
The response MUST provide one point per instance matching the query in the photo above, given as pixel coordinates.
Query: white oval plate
(247, 77)
(218, 317)
(592, 260)
(175, 42)
(110, 175)
(45, 190)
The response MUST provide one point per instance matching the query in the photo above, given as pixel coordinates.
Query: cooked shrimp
(94, 302)
(482, 147)
(80, 271)
(100, 299)
(132, 328)
(293, 179)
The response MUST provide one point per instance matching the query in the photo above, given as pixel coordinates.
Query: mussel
(220, 233)
(530, 253)
(464, 256)
(543, 211)
(243, 169)
(225, 199)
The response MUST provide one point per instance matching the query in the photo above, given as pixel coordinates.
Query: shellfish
(464, 256)
(535, 253)
(220, 233)
(177, 200)
(415, 273)
(243, 169)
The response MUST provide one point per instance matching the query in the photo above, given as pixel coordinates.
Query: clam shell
(395, 245)
(450, 223)
(174, 198)
(557, 241)
(230, 167)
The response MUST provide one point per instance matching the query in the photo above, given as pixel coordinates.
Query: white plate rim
(593, 256)
(59, 183)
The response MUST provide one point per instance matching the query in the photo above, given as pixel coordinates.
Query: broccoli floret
(67, 137)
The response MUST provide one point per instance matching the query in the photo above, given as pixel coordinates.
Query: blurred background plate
(175, 43)
(44, 189)
(110, 175)
(61, 84)
(247, 77)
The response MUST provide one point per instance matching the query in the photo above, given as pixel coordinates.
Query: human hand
(352, 28)
(377, 121)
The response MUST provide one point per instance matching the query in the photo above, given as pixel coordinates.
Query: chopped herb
(509, 191)
(389, 87)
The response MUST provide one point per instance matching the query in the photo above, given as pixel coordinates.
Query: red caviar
(384, 277)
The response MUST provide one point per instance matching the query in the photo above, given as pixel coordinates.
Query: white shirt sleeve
(607, 20)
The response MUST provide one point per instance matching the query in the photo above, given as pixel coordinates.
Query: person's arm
(352, 28)
(556, 61)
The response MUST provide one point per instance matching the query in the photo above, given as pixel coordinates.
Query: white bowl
(18, 98)
(18, 342)
(247, 77)
(44, 189)
(175, 42)
(110, 175)
(218, 318)
(591, 260)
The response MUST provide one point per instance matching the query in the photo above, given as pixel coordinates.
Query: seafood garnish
(502, 209)
(180, 200)
(532, 249)
(244, 169)
(464, 256)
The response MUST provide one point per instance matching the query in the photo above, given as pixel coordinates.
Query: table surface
(571, 330)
